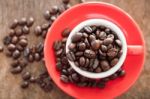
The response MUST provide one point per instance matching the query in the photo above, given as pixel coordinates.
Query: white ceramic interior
(113, 27)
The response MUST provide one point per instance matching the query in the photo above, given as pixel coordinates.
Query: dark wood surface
(10, 9)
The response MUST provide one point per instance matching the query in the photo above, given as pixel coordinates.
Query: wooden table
(10, 9)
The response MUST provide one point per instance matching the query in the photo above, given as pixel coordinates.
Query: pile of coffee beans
(84, 50)
(16, 47)
(95, 49)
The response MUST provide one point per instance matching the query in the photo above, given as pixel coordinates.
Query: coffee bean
(64, 40)
(12, 32)
(120, 53)
(122, 73)
(59, 52)
(54, 10)
(104, 65)
(89, 54)
(23, 21)
(26, 76)
(57, 45)
(85, 35)
(95, 44)
(37, 56)
(40, 47)
(95, 64)
(92, 38)
(23, 63)
(47, 15)
(23, 42)
(15, 63)
(19, 47)
(24, 84)
(91, 62)
(87, 62)
(44, 33)
(18, 32)
(112, 52)
(64, 72)
(30, 22)
(82, 61)
(110, 46)
(87, 42)
(67, 6)
(32, 79)
(78, 54)
(107, 41)
(75, 77)
(25, 30)
(14, 39)
(102, 27)
(30, 58)
(65, 1)
(64, 78)
(103, 48)
(23, 37)
(107, 30)
(111, 36)
(118, 42)
(64, 60)
(26, 52)
(1, 49)
(14, 24)
(70, 70)
(114, 61)
(72, 46)
(114, 76)
(66, 32)
(16, 70)
(82, 46)
(11, 47)
(98, 70)
(45, 26)
(102, 54)
(7, 40)
(16, 54)
(38, 30)
(70, 55)
(102, 35)
(88, 29)
(76, 37)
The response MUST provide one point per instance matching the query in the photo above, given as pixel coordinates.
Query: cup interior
(120, 35)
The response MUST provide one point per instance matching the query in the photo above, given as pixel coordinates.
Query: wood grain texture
(10, 9)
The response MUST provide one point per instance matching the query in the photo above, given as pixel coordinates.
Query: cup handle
(135, 49)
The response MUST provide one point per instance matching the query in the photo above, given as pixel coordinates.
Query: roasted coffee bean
(7, 40)
(38, 30)
(118, 42)
(18, 32)
(23, 42)
(19, 47)
(110, 46)
(26, 52)
(30, 58)
(95, 64)
(67, 6)
(23, 63)
(72, 46)
(11, 47)
(59, 52)
(70, 70)
(98, 70)
(76, 64)
(85, 35)
(14, 24)
(25, 30)
(54, 10)
(16, 54)
(76, 37)
(65, 1)
(121, 73)
(111, 36)
(32, 79)
(120, 53)
(64, 60)
(26, 76)
(107, 30)
(70, 55)
(87, 62)
(23, 21)
(45, 26)
(114, 76)
(24, 84)
(1, 48)
(30, 22)
(47, 15)
(112, 52)
(66, 32)
(40, 47)
(89, 54)
(102, 27)
(64, 78)
(57, 45)
(75, 77)
(103, 48)
(11, 32)
(37, 56)
(87, 42)
(114, 61)
(15, 63)
(104, 65)
(92, 38)
(107, 41)
(53, 18)
(64, 72)
(102, 35)
(95, 44)
(82, 46)
(88, 29)
(102, 55)
(91, 62)
(23, 37)
(44, 33)
(33, 49)
(14, 39)
(16, 70)
(82, 61)
(79, 54)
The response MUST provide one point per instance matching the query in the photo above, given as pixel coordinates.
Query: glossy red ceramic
(135, 55)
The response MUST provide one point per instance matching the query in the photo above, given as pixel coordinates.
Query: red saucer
(134, 60)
